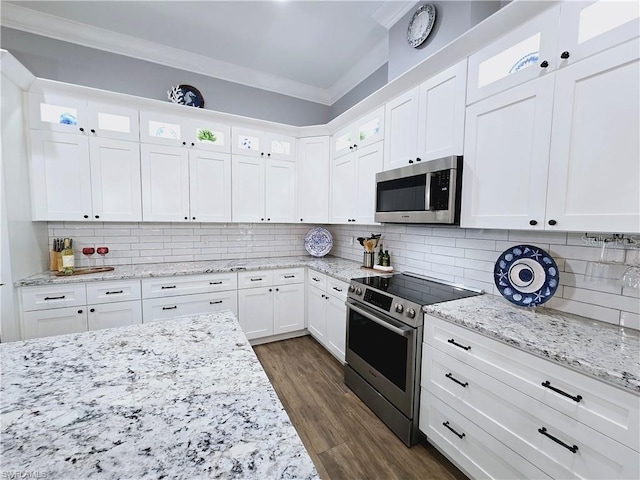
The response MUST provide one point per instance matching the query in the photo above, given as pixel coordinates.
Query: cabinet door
(255, 311)
(595, 137)
(206, 135)
(280, 191)
(58, 321)
(248, 182)
(113, 121)
(314, 164)
(317, 313)
(117, 314)
(288, 308)
(248, 142)
(342, 142)
(282, 147)
(161, 129)
(165, 183)
(401, 126)
(57, 113)
(210, 186)
(343, 189)
(368, 163)
(589, 27)
(369, 129)
(115, 180)
(336, 326)
(507, 137)
(442, 107)
(60, 176)
(516, 57)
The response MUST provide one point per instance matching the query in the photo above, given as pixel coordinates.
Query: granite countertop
(607, 352)
(186, 398)
(339, 268)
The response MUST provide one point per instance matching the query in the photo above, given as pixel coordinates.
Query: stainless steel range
(384, 343)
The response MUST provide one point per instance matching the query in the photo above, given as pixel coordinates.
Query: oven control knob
(411, 312)
(399, 307)
(358, 291)
(352, 288)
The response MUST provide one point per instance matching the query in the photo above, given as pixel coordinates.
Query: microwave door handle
(404, 332)
(427, 193)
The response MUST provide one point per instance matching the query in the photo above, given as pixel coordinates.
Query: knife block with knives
(55, 255)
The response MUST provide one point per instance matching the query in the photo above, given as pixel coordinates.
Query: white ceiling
(316, 50)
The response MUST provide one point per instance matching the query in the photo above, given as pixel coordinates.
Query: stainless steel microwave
(424, 192)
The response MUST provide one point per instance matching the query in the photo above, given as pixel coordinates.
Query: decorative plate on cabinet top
(318, 241)
(421, 24)
(526, 275)
(186, 95)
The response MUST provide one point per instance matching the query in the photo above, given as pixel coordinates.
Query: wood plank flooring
(343, 437)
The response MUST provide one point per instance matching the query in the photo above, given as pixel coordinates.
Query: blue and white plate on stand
(318, 241)
(526, 275)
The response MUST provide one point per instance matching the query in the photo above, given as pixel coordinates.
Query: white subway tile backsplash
(619, 302)
(487, 234)
(476, 244)
(537, 237)
(596, 312)
(630, 320)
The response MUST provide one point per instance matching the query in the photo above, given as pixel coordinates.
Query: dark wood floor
(344, 438)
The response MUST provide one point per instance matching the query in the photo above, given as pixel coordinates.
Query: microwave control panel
(440, 184)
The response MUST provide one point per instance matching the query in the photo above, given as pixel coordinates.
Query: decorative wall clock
(421, 24)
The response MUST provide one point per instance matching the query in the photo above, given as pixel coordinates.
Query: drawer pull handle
(573, 448)
(164, 287)
(451, 377)
(112, 293)
(256, 279)
(215, 283)
(547, 384)
(451, 340)
(446, 424)
(315, 279)
(289, 276)
(55, 298)
(337, 289)
(170, 308)
(215, 303)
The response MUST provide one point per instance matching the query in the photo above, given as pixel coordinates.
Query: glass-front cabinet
(170, 129)
(367, 130)
(259, 143)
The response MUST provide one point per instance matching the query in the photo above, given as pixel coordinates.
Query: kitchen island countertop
(185, 398)
(607, 352)
(339, 268)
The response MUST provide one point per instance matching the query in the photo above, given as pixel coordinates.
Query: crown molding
(377, 56)
(391, 11)
(51, 26)
(15, 71)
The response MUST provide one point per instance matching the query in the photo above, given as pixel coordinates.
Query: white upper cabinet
(258, 143)
(186, 131)
(82, 117)
(367, 130)
(427, 122)
(209, 186)
(314, 164)
(280, 191)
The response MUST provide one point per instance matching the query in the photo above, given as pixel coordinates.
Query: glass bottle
(386, 259)
(380, 255)
(68, 259)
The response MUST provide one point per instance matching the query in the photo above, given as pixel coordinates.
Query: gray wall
(67, 62)
(453, 18)
(373, 82)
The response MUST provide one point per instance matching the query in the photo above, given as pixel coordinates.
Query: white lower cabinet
(327, 312)
(274, 307)
(117, 314)
(513, 399)
(58, 321)
(181, 305)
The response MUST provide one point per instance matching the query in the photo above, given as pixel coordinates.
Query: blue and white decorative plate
(526, 275)
(525, 61)
(318, 241)
(186, 95)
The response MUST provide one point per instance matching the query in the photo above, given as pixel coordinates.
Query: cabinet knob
(544, 64)
(351, 147)
(277, 289)
(418, 159)
(184, 143)
(262, 219)
(193, 144)
(97, 216)
(79, 311)
(268, 219)
(193, 218)
(86, 216)
(301, 220)
(186, 218)
(353, 219)
(355, 146)
(93, 130)
(552, 222)
(81, 129)
(268, 154)
(92, 310)
(533, 222)
(410, 161)
(270, 290)
(262, 154)
(564, 55)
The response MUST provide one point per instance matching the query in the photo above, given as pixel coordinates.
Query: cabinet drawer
(604, 408)
(114, 314)
(58, 321)
(286, 277)
(530, 428)
(187, 285)
(472, 449)
(167, 308)
(316, 279)
(259, 278)
(107, 292)
(50, 296)
(337, 288)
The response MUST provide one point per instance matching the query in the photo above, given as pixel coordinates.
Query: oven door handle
(404, 332)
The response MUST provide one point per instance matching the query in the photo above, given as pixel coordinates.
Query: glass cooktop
(419, 290)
